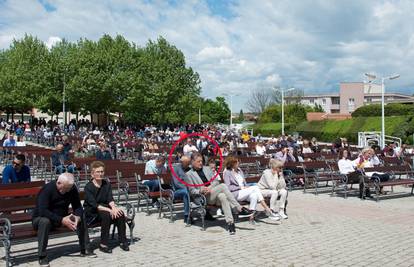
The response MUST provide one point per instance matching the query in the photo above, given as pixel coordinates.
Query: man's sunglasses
(17, 164)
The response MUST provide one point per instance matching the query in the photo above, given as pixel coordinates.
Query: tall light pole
(283, 105)
(63, 102)
(231, 106)
(372, 78)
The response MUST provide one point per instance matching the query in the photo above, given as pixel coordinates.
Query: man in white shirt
(189, 148)
(260, 149)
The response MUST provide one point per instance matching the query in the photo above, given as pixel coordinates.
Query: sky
(241, 46)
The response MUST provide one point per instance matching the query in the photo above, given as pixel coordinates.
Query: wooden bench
(316, 172)
(16, 200)
(395, 173)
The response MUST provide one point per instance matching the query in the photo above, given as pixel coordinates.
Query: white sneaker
(283, 215)
(273, 217)
(219, 212)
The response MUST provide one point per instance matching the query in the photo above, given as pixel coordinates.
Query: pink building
(352, 95)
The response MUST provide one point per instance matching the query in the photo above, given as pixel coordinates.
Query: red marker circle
(216, 148)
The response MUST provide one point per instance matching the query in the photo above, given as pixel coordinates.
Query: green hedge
(394, 109)
(329, 130)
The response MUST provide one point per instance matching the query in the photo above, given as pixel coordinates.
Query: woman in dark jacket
(100, 207)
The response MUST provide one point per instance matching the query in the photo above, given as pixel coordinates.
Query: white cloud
(273, 79)
(220, 52)
(52, 40)
(312, 45)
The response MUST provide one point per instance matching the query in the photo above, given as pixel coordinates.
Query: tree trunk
(12, 117)
(22, 117)
(7, 116)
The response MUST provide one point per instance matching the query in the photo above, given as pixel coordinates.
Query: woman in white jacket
(272, 183)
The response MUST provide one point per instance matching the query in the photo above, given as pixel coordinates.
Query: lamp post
(372, 78)
(231, 106)
(283, 105)
(63, 102)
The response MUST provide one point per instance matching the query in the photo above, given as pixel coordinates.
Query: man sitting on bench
(52, 211)
(215, 193)
(17, 172)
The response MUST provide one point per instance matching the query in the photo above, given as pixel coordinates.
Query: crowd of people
(195, 164)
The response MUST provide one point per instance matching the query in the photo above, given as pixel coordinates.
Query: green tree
(241, 116)
(23, 74)
(165, 90)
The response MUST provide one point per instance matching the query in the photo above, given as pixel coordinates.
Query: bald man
(180, 190)
(52, 211)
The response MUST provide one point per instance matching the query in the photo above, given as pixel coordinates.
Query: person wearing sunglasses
(17, 172)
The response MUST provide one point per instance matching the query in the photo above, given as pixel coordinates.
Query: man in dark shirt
(52, 211)
(17, 172)
(60, 160)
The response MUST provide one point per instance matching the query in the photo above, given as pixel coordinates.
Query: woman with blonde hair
(234, 179)
(272, 184)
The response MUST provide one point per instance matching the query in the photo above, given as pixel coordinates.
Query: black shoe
(105, 249)
(232, 228)
(209, 217)
(88, 253)
(124, 246)
(44, 262)
(156, 204)
(245, 213)
(188, 220)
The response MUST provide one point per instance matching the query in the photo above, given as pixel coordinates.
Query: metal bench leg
(160, 208)
(6, 245)
(171, 208)
(131, 225)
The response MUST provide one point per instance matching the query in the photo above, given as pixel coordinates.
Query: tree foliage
(150, 84)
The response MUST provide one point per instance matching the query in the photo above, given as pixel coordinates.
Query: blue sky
(241, 46)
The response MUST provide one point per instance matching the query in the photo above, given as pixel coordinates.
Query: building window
(323, 101)
(368, 99)
(312, 100)
(335, 100)
(351, 104)
(334, 110)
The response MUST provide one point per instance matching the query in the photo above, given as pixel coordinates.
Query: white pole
(231, 110)
(63, 104)
(382, 115)
(283, 112)
(199, 115)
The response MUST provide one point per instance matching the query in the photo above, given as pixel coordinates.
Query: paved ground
(321, 231)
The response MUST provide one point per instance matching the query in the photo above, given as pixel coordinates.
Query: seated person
(52, 211)
(234, 179)
(260, 149)
(155, 166)
(348, 168)
(103, 152)
(272, 184)
(215, 193)
(10, 141)
(306, 147)
(180, 190)
(17, 172)
(368, 159)
(285, 155)
(100, 207)
(61, 161)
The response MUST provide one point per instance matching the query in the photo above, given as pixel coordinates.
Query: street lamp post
(231, 106)
(372, 78)
(63, 102)
(283, 106)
